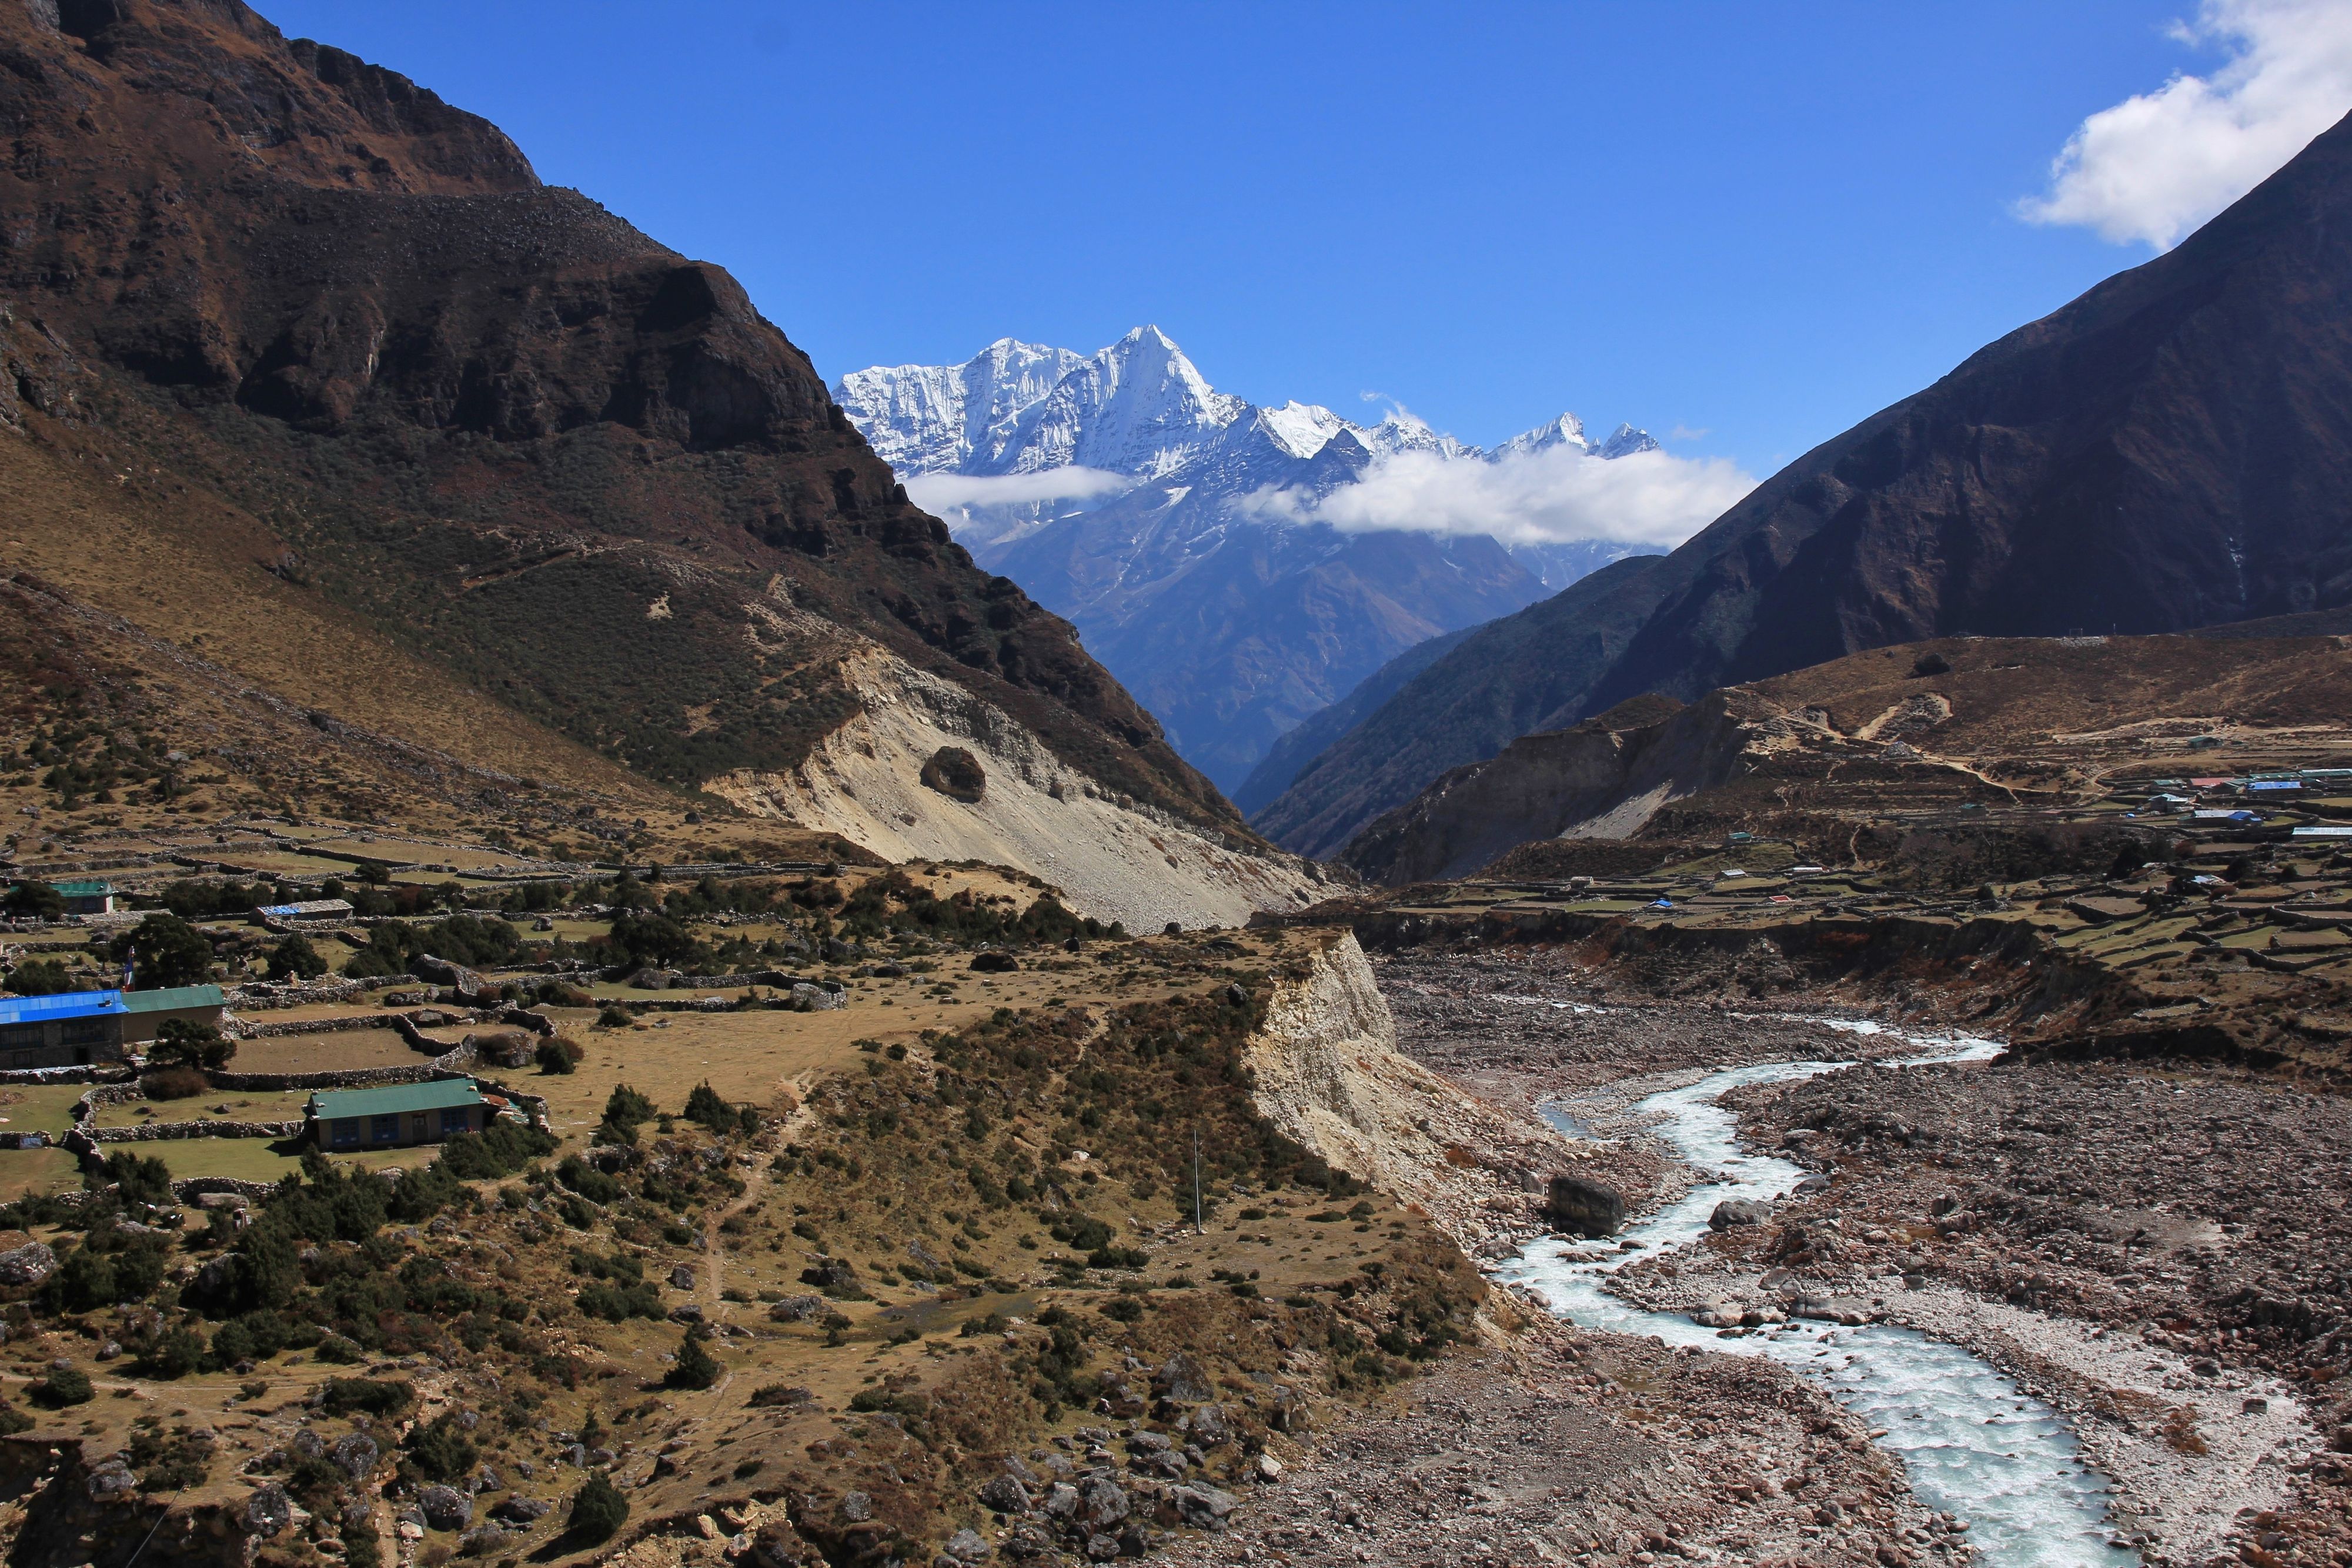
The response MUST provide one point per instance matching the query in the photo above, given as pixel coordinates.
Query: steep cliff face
(1326, 1070)
(329, 336)
(924, 769)
(2168, 451)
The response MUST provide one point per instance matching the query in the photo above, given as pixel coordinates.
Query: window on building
(88, 1031)
(455, 1119)
(344, 1133)
(386, 1129)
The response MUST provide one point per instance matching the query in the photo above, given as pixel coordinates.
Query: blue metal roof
(64, 1005)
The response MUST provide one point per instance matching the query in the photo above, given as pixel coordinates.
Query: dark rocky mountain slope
(289, 340)
(2171, 450)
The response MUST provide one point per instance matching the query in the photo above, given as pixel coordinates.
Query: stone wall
(158, 1132)
(64, 1075)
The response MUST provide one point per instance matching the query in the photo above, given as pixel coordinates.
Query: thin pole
(1196, 1181)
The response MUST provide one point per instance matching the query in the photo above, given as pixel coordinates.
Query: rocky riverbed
(1571, 1447)
(2157, 1254)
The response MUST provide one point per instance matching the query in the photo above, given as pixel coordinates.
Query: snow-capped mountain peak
(1566, 431)
(1624, 441)
(1300, 428)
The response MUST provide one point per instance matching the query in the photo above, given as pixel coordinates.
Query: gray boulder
(112, 1479)
(523, 1509)
(966, 1546)
(357, 1453)
(445, 1508)
(28, 1265)
(1005, 1495)
(1104, 1501)
(1180, 1377)
(1209, 1426)
(1735, 1211)
(1202, 1508)
(441, 972)
(267, 1512)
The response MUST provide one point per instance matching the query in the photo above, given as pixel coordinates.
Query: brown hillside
(309, 372)
(1925, 726)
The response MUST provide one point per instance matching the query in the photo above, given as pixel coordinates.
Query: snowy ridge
(1139, 408)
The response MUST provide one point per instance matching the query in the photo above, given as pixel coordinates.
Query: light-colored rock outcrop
(1112, 858)
(1328, 1072)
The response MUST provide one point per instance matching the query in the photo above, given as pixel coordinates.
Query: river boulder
(1583, 1207)
(1733, 1211)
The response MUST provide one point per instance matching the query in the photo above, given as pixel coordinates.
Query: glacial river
(1974, 1444)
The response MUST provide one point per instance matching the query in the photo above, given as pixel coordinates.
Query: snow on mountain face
(1138, 407)
(932, 419)
(1231, 624)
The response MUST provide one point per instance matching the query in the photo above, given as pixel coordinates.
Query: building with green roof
(89, 896)
(396, 1114)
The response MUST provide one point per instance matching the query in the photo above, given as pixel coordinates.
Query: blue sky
(1750, 224)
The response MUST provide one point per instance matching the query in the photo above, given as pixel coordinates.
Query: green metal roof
(172, 999)
(336, 1105)
(83, 889)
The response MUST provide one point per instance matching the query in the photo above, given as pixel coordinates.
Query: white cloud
(1549, 496)
(1684, 432)
(940, 494)
(2157, 164)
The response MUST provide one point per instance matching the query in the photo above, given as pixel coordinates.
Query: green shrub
(173, 1083)
(369, 1396)
(707, 1106)
(64, 1386)
(695, 1368)
(439, 1450)
(166, 951)
(173, 1354)
(559, 1054)
(587, 1180)
(140, 1176)
(598, 1511)
(295, 960)
(180, 1044)
(619, 1303)
(40, 978)
(34, 901)
(500, 1149)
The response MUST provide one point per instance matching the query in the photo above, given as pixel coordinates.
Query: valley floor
(2156, 1253)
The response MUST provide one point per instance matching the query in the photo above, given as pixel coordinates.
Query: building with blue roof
(84, 1028)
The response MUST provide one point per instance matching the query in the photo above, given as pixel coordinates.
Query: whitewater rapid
(1974, 1444)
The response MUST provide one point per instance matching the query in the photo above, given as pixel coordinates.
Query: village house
(82, 1028)
(308, 910)
(86, 897)
(397, 1114)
